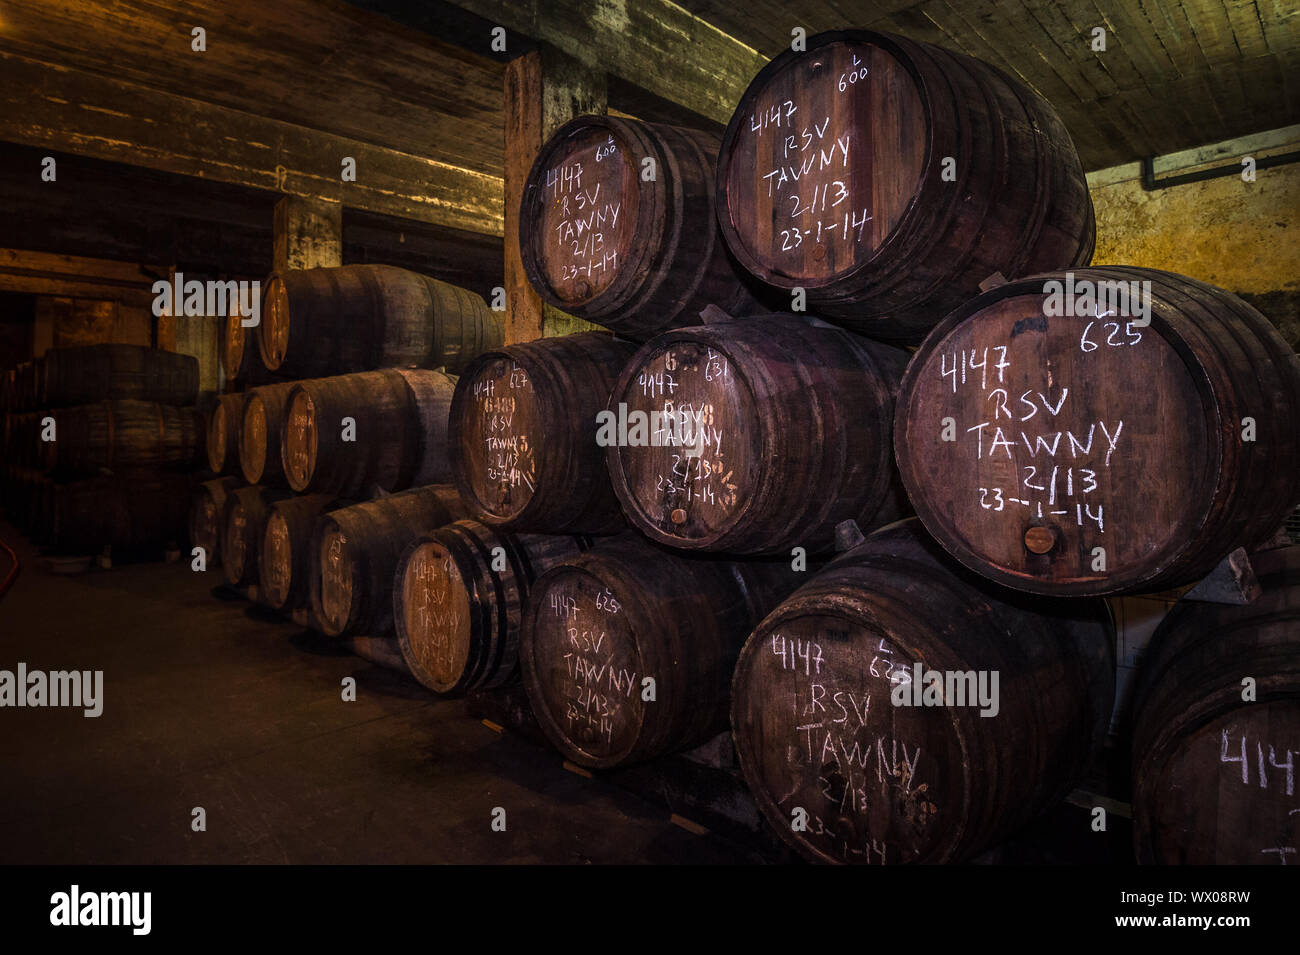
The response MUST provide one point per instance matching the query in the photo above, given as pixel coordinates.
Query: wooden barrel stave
(131, 511)
(244, 519)
(207, 516)
(122, 434)
(75, 376)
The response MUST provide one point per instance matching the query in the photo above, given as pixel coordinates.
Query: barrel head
(277, 561)
(1079, 449)
(690, 446)
(253, 439)
(815, 730)
(583, 668)
(821, 162)
(580, 212)
(300, 440)
(500, 429)
(274, 333)
(338, 575)
(434, 605)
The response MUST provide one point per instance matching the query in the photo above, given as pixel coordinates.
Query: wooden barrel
(207, 516)
(599, 626)
(398, 438)
(888, 178)
(602, 242)
(223, 433)
(261, 423)
(246, 513)
(756, 436)
(285, 562)
(240, 357)
(89, 373)
(135, 512)
(1096, 455)
(826, 720)
(1214, 775)
(331, 321)
(458, 601)
(523, 435)
(356, 550)
(122, 434)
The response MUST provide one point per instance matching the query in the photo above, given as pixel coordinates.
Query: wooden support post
(308, 233)
(197, 335)
(544, 90)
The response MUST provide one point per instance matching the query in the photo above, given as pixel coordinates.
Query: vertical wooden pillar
(544, 90)
(197, 335)
(308, 233)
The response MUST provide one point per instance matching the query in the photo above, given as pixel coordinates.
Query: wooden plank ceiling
(1175, 73)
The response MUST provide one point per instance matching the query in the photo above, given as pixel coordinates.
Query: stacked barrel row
(1064, 433)
(331, 442)
(100, 443)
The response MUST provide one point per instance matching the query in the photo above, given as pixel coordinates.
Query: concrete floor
(209, 704)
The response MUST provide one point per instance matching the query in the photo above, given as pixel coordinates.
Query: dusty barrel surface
(396, 438)
(889, 178)
(207, 516)
(285, 564)
(523, 435)
(122, 434)
(1213, 775)
(1097, 455)
(635, 255)
(816, 726)
(129, 511)
(458, 601)
(245, 516)
(598, 626)
(75, 376)
(355, 551)
(223, 433)
(755, 436)
(331, 321)
(261, 420)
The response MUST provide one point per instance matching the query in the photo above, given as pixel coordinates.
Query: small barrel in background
(261, 422)
(1214, 775)
(888, 178)
(223, 433)
(599, 625)
(523, 435)
(75, 376)
(122, 434)
(458, 600)
(355, 552)
(285, 563)
(818, 726)
(207, 516)
(1101, 455)
(605, 244)
(246, 513)
(333, 321)
(399, 432)
(756, 436)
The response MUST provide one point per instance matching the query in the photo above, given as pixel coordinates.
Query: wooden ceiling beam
(51, 106)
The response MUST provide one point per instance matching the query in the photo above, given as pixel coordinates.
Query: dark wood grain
(74, 376)
(261, 424)
(207, 516)
(246, 513)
